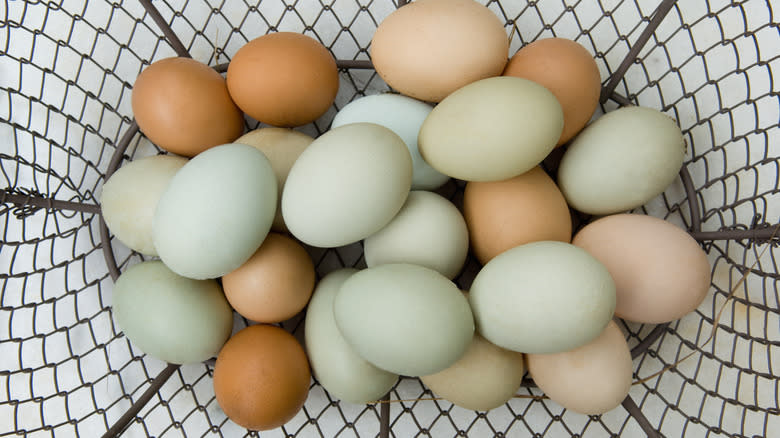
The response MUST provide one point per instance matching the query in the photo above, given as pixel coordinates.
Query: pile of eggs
(226, 212)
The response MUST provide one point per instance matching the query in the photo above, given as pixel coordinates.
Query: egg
(129, 199)
(491, 130)
(661, 273)
(184, 107)
(484, 378)
(170, 317)
(504, 214)
(262, 377)
(569, 71)
(592, 379)
(402, 115)
(403, 318)
(621, 161)
(216, 211)
(274, 284)
(282, 147)
(337, 367)
(428, 231)
(542, 297)
(347, 185)
(429, 48)
(283, 79)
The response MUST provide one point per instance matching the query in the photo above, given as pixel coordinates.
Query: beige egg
(484, 378)
(591, 379)
(282, 147)
(661, 273)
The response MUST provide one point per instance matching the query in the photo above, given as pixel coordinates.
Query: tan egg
(591, 379)
(569, 71)
(484, 378)
(283, 79)
(429, 48)
(501, 215)
(661, 273)
(274, 284)
(183, 106)
(282, 147)
(262, 377)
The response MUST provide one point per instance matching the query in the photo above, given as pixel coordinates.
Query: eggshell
(402, 115)
(661, 273)
(216, 211)
(183, 106)
(569, 71)
(404, 318)
(621, 161)
(542, 297)
(348, 184)
(485, 377)
(428, 231)
(337, 367)
(282, 147)
(592, 379)
(274, 284)
(261, 378)
(283, 79)
(504, 214)
(491, 130)
(130, 197)
(429, 48)
(169, 317)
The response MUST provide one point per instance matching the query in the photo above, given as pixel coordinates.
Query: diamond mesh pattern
(67, 69)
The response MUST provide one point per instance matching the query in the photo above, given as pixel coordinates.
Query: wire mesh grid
(67, 70)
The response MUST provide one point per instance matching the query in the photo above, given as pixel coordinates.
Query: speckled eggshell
(347, 185)
(592, 379)
(402, 115)
(215, 212)
(542, 297)
(661, 273)
(405, 319)
(130, 197)
(170, 317)
(282, 147)
(621, 161)
(337, 367)
(486, 377)
(492, 129)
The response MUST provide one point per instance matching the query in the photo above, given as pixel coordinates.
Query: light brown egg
(274, 284)
(183, 106)
(262, 377)
(569, 71)
(429, 48)
(501, 215)
(591, 379)
(661, 273)
(282, 147)
(283, 79)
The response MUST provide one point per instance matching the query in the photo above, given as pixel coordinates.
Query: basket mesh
(66, 74)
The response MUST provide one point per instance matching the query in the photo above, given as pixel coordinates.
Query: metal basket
(66, 73)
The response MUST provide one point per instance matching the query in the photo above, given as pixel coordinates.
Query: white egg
(402, 115)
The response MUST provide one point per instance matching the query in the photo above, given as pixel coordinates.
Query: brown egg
(591, 379)
(569, 71)
(661, 273)
(262, 377)
(429, 48)
(501, 215)
(274, 284)
(283, 79)
(183, 106)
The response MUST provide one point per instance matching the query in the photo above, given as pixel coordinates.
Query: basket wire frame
(53, 234)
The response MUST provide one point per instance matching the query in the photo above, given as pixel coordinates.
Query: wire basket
(66, 74)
